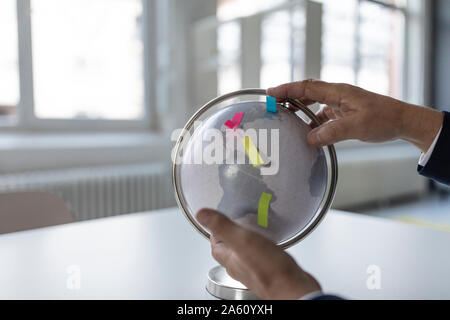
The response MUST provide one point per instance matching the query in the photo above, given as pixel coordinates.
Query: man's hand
(255, 261)
(353, 113)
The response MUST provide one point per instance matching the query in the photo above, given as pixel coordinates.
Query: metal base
(222, 286)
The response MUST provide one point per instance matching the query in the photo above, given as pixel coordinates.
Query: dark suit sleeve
(438, 166)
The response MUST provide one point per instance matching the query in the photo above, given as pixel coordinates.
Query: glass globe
(254, 166)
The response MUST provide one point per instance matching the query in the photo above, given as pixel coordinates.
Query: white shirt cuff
(312, 295)
(425, 157)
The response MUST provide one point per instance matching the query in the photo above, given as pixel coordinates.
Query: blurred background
(90, 90)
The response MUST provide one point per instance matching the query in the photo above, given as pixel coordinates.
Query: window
(9, 70)
(83, 63)
(338, 44)
(367, 49)
(259, 44)
(362, 42)
(229, 52)
(114, 63)
(281, 43)
(88, 59)
(231, 9)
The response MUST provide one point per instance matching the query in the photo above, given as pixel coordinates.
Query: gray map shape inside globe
(297, 188)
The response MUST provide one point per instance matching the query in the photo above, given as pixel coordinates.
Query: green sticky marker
(263, 210)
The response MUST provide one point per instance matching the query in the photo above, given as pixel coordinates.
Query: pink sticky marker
(237, 119)
(236, 122)
(230, 124)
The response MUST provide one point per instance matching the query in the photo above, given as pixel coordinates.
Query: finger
(324, 115)
(306, 102)
(220, 252)
(242, 242)
(330, 132)
(321, 117)
(225, 257)
(222, 228)
(330, 112)
(338, 113)
(312, 90)
(213, 239)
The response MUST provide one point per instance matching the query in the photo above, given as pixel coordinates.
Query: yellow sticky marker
(263, 209)
(252, 152)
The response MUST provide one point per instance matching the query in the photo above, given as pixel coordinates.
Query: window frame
(26, 118)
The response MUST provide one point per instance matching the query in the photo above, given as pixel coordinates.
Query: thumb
(330, 132)
(218, 224)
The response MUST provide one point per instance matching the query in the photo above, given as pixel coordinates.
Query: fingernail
(203, 217)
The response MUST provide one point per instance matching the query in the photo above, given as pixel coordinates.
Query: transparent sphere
(278, 188)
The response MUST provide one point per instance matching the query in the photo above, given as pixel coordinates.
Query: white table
(158, 255)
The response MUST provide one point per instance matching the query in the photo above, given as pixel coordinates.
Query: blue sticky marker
(271, 104)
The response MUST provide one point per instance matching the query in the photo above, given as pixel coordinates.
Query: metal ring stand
(218, 280)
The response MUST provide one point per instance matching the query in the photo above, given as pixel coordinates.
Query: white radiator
(374, 174)
(101, 191)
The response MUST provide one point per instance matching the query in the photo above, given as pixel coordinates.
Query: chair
(21, 211)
